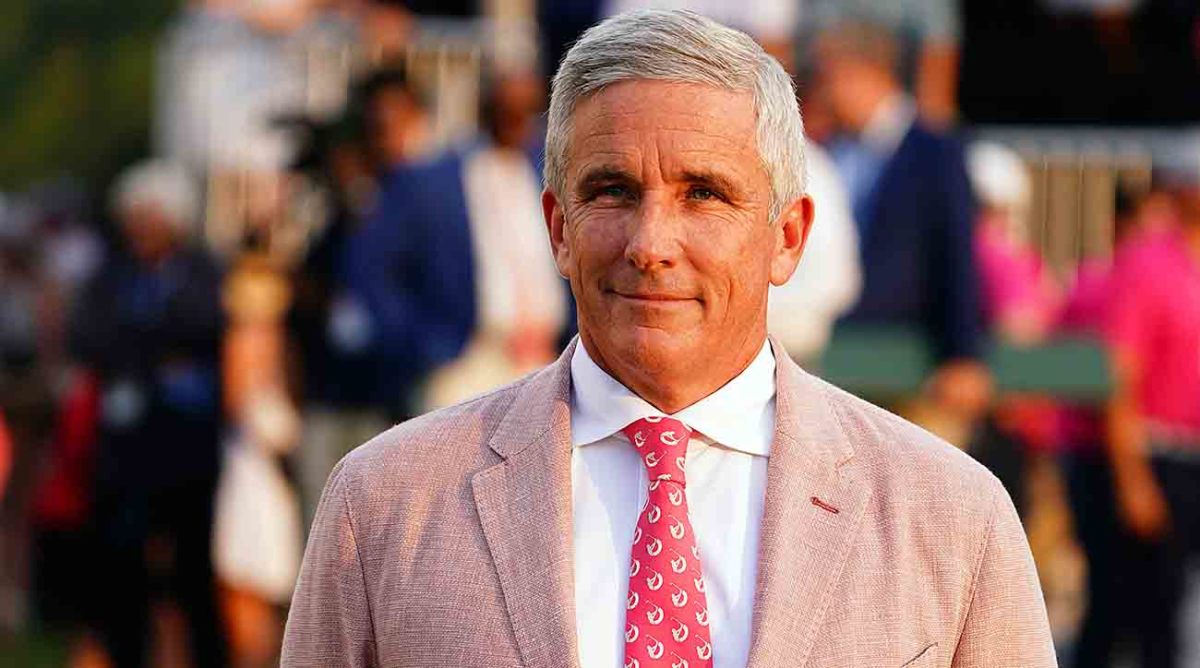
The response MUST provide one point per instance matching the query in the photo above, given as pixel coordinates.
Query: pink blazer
(446, 542)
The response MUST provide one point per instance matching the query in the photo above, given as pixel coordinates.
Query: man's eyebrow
(714, 180)
(604, 174)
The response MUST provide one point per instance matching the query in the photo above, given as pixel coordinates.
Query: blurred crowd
(341, 227)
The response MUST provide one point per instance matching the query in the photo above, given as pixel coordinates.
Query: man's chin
(651, 349)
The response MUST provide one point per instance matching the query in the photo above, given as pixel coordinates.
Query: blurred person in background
(1112, 570)
(149, 327)
(349, 392)
(802, 312)
(929, 33)
(452, 265)
(1020, 299)
(1153, 330)
(257, 532)
(912, 200)
(331, 328)
(5, 454)
(397, 123)
(30, 325)
(64, 595)
(345, 394)
(71, 245)
(1020, 302)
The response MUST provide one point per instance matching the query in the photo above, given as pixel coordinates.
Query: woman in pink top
(1153, 329)
(1020, 299)
(5, 455)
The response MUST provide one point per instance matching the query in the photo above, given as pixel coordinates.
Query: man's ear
(552, 211)
(791, 235)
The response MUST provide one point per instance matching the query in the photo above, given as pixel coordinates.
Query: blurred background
(240, 237)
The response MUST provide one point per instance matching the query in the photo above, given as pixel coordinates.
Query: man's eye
(616, 191)
(702, 193)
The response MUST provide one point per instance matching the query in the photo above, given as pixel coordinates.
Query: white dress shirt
(726, 484)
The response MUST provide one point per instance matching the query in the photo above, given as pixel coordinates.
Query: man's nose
(654, 236)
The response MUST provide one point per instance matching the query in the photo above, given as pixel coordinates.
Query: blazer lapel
(524, 505)
(815, 501)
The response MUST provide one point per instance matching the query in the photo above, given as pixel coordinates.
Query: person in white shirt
(826, 285)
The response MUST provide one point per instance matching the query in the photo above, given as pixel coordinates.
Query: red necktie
(666, 616)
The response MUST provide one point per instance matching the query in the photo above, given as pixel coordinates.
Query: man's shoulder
(906, 463)
(933, 139)
(444, 446)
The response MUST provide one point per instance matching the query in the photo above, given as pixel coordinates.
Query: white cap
(163, 184)
(999, 176)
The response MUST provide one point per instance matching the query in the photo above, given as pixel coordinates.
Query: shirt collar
(888, 125)
(740, 415)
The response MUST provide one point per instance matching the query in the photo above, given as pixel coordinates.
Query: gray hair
(682, 46)
(163, 184)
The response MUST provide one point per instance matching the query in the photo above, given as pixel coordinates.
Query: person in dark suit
(914, 206)
(448, 319)
(149, 326)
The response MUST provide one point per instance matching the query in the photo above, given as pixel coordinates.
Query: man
(452, 266)
(149, 326)
(397, 124)
(348, 398)
(674, 490)
(912, 200)
(930, 34)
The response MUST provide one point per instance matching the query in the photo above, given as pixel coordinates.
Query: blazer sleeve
(1006, 623)
(330, 624)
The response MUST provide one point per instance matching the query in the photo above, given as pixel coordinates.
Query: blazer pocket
(926, 658)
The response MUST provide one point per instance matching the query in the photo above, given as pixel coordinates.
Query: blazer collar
(815, 500)
(524, 505)
(803, 415)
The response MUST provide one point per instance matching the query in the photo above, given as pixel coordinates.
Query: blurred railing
(888, 363)
(1076, 173)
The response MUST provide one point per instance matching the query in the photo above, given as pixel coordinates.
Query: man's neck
(672, 390)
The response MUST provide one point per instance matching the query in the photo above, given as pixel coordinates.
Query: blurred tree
(76, 84)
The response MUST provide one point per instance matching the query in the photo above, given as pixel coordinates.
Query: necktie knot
(662, 443)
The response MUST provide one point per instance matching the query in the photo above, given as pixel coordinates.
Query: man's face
(516, 102)
(850, 85)
(393, 119)
(664, 230)
(148, 232)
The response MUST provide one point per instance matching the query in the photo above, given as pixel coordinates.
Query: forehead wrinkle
(675, 166)
(686, 124)
(647, 143)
